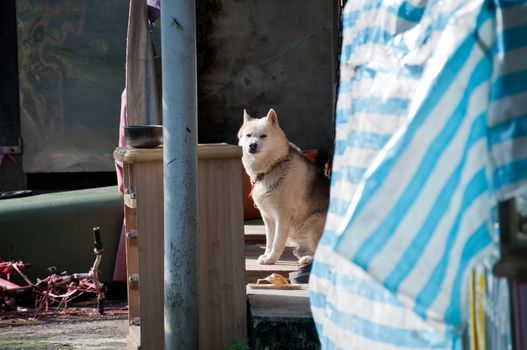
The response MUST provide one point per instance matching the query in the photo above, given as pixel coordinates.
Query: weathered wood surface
(148, 180)
(287, 263)
(221, 279)
(221, 276)
(206, 151)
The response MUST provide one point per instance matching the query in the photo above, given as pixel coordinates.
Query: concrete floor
(278, 317)
(53, 333)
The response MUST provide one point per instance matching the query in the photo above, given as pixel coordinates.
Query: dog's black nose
(253, 147)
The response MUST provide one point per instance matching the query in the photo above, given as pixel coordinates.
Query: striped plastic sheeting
(508, 108)
(431, 129)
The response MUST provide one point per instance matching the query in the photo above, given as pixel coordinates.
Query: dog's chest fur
(272, 181)
(273, 189)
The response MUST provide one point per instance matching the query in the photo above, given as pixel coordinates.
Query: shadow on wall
(257, 55)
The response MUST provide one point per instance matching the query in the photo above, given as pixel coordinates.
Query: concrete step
(281, 319)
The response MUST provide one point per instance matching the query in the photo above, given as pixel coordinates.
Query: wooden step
(287, 263)
(254, 233)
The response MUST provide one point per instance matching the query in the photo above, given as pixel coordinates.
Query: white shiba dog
(291, 192)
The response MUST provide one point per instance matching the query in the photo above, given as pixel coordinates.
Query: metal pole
(178, 40)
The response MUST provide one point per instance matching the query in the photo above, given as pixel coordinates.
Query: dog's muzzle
(253, 148)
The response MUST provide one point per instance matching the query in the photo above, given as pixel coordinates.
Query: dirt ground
(72, 328)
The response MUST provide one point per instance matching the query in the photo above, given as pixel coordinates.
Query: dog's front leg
(270, 228)
(280, 238)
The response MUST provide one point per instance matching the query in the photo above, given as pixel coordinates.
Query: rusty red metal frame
(57, 289)
(8, 288)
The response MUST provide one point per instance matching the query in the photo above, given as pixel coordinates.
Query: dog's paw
(261, 258)
(266, 260)
(305, 260)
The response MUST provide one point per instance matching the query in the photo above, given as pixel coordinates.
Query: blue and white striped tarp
(431, 129)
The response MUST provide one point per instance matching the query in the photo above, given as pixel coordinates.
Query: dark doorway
(11, 173)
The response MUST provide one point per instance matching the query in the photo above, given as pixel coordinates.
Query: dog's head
(260, 135)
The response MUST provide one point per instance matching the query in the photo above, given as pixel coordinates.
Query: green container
(55, 229)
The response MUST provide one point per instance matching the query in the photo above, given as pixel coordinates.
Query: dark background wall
(252, 54)
(11, 173)
(256, 55)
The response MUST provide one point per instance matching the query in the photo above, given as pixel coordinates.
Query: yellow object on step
(276, 281)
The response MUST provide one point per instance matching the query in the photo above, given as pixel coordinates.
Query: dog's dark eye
(263, 136)
(248, 135)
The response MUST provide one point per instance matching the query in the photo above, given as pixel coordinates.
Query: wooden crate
(221, 269)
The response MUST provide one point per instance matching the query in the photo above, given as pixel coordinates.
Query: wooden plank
(205, 151)
(221, 278)
(274, 287)
(138, 155)
(148, 178)
(129, 201)
(133, 340)
(132, 263)
(132, 269)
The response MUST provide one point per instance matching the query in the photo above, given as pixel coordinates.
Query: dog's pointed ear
(246, 117)
(272, 118)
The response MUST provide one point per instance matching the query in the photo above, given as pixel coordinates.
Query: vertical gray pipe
(178, 40)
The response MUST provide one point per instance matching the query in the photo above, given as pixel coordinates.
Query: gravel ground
(74, 328)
